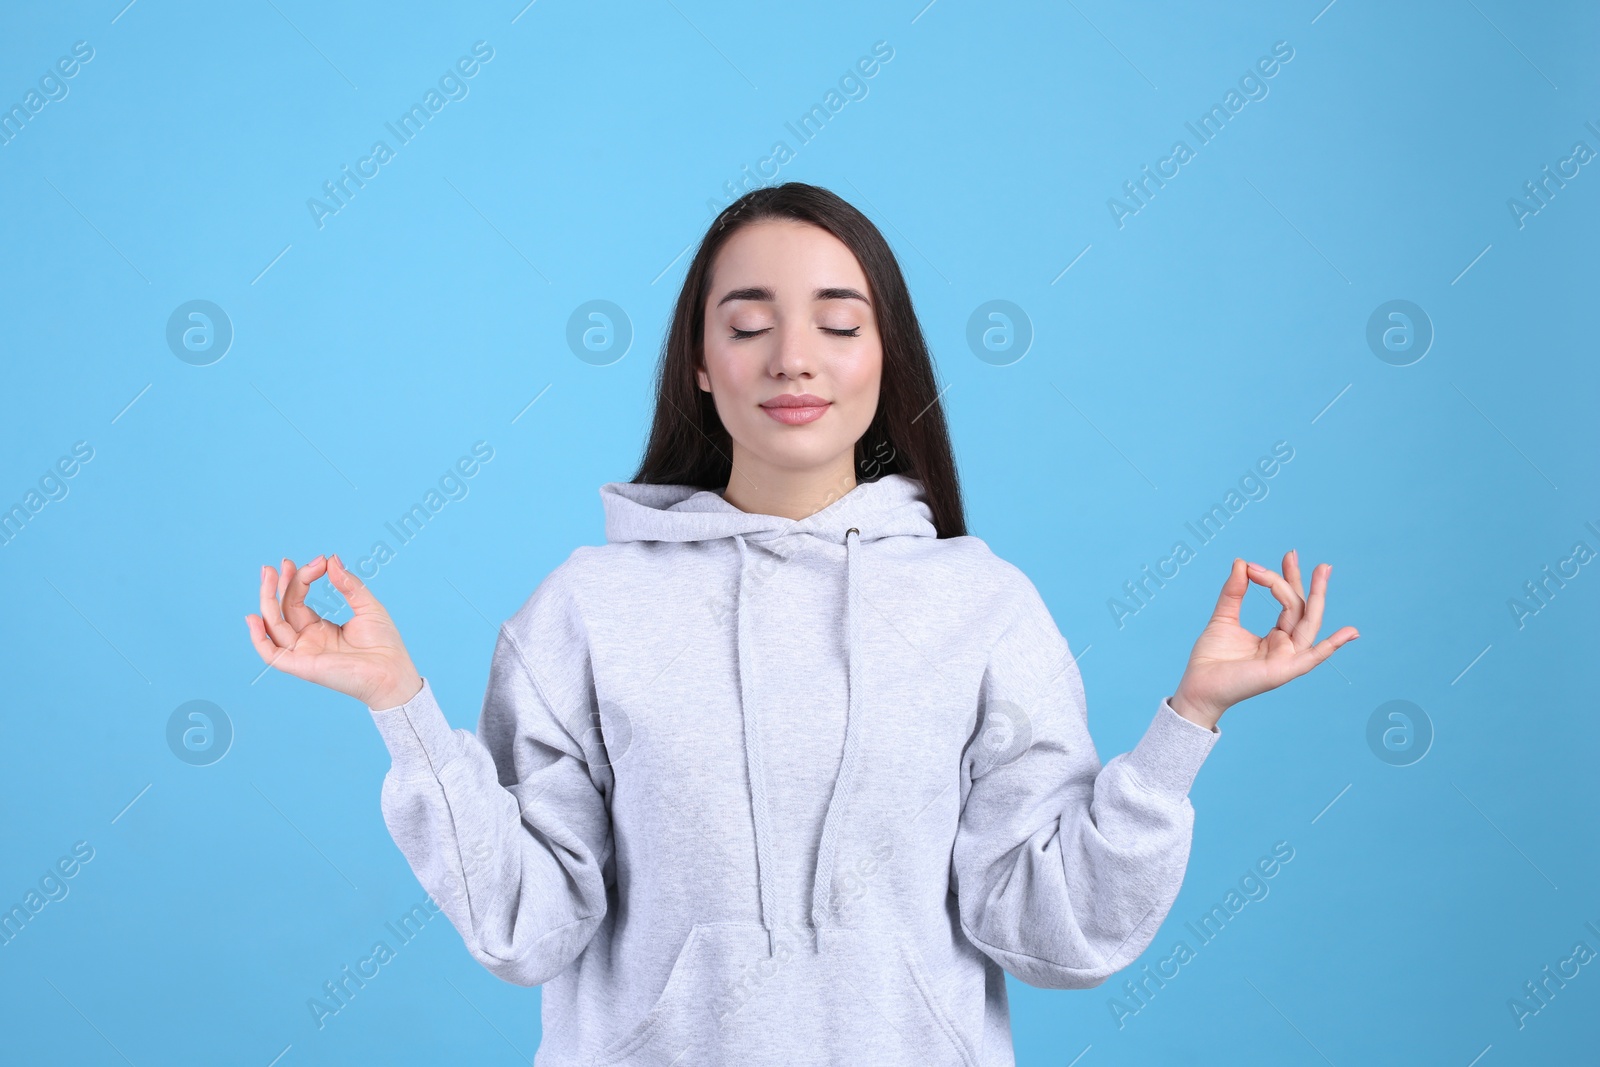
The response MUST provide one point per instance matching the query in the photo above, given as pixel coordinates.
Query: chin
(815, 454)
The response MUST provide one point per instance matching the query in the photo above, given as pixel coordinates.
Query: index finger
(1283, 593)
(281, 632)
(1305, 634)
(355, 591)
(1291, 572)
(294, 595)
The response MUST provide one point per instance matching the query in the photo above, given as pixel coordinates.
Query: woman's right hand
(364, 658)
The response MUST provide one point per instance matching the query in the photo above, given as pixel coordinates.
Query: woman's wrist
(1193, 710)
(403, 693)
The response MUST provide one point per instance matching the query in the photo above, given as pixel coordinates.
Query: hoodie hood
(894, 505)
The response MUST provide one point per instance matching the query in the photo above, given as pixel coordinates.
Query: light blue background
(1228, 314)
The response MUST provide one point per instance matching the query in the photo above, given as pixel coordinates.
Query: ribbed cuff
(1170, 753)
(419, 739)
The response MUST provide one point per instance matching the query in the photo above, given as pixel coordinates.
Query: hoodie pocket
(727, 1002)
(669, 1028)
(934, 1000)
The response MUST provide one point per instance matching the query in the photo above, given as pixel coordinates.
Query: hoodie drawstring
(760, 810)
(754, 769)
(821, 889)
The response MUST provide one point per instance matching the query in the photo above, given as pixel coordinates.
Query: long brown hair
(908, 435)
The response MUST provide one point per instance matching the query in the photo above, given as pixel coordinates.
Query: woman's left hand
(1230, 664)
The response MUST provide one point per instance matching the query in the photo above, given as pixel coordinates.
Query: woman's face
(790, 315)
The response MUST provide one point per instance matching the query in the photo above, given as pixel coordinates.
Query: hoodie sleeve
(509, 829)
(1064, 869)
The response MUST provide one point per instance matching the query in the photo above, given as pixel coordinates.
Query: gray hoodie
(750, 790)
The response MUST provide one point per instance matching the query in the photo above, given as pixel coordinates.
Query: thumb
(354, 591)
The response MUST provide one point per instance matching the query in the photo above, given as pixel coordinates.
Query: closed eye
(740, 335)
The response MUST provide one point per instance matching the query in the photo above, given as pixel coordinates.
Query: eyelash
(740, 335)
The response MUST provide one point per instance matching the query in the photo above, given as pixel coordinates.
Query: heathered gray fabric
(746, 790)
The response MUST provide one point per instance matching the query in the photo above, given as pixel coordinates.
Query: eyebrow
(761, 292)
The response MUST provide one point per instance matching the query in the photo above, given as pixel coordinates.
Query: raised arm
(507, 829)
(1064, 869)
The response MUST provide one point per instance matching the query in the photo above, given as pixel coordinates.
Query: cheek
(863, 375)
(716, 363)
(733, 378)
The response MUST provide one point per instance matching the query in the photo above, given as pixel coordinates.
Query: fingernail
(1294, 554)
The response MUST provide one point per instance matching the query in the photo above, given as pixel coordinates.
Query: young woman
(792, 769)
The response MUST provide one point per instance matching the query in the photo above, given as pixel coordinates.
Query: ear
(704, 379)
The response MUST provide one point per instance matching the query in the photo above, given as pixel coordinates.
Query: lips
(794, 409)
(795, 400)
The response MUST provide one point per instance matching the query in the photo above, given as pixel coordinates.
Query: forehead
(794, 259)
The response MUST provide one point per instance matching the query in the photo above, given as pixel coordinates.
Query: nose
(793, 356)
